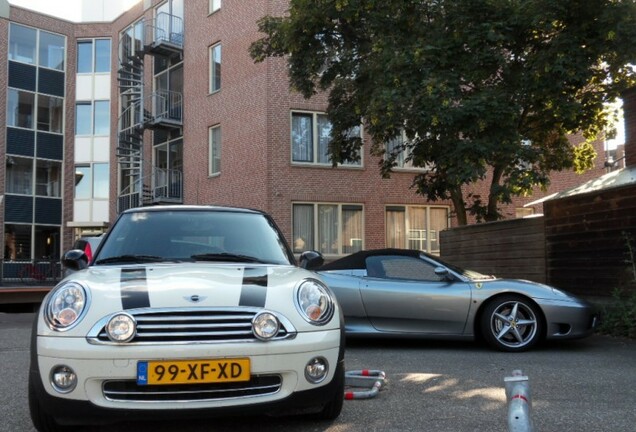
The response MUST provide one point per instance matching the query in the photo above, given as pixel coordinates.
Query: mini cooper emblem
(195, 298)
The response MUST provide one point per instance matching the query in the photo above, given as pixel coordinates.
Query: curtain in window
(395, 227)
(303, 227)
(328, 229)
(351, 229)
(324, 137)
(439, 222)
(302, 147)
(417, 228)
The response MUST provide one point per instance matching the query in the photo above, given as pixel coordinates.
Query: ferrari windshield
(194, 235)
(470, 274)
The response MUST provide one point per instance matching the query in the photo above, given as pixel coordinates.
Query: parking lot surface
(586, 385)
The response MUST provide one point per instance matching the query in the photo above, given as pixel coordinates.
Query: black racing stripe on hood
(254, 289)
(134, 288)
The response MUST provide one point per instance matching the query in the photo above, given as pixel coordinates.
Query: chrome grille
(192, 325)
(129, 391)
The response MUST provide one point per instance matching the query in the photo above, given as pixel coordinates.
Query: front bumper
(97, 365)
(569, 319)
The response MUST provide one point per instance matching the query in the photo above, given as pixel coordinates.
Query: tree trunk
(492, 214)
(460, 206)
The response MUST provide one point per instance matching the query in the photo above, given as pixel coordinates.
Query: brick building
(163, 104)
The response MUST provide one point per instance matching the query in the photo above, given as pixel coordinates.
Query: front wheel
(511, 323)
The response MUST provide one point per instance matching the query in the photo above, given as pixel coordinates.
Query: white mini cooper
(186, 311)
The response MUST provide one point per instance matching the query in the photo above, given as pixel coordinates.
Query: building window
(215, 150)
(92, 181)
(22, 43)
(402, 154)
(215, 5)
(50, 113)
(414, 227)
(51, 50)
(83, 120)
(17, 242)
(97, 60)
(92, 118)
(19, 175)
(101, 118)
(215, 68)
(521, 212)
(310, 138)
(332, 229)
(20, 109)
(48, 176)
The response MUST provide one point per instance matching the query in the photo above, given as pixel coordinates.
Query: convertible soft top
(357, 260)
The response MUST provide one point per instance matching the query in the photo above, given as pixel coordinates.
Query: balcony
(167, 186)
(164, 35)
(166, 110)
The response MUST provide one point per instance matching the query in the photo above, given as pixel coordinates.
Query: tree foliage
(481, 88)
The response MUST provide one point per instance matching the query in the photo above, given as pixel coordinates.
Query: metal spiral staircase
(140, 110)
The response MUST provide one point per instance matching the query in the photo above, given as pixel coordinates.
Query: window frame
(315, 228)
(213, 75)
(402, 164)
(432, 235)
(214, 151)
(93, 55)
(315, 142)
(36, 61)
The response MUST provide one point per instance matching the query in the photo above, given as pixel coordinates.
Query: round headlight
(265, 325)
(314, 302)
(121, 328)
(65, 306)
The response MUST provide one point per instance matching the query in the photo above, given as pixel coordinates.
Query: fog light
(121, 328)
(63, 379)
(265, 325)
(316, 370)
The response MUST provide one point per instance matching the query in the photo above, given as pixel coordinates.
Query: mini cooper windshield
(191, 235)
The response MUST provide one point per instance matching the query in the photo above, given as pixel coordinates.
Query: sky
(70, 10)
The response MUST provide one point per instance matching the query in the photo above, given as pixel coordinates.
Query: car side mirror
(75, 260)
(311, 260)
(443, 273)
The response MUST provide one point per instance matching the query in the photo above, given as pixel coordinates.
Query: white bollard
(519, 403)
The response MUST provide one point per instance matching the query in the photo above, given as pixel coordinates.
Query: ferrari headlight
(314, 302)
(65, 306)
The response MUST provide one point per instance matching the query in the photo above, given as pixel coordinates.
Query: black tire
(43, 421)
(332, 410)
(511, 323)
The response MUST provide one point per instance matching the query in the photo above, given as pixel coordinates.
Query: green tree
(482, 89)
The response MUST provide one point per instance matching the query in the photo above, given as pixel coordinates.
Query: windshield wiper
(227, 257)
(131, 258)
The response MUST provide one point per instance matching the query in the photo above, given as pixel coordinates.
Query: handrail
(165, 28)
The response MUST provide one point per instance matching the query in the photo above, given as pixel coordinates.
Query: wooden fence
(510, 249)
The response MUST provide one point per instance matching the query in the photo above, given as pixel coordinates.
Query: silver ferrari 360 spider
(395, 292)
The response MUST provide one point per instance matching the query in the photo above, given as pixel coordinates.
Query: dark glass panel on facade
(51, 82)
(18, 209)
(50, 146)
(22, 76)
(50, 113)
(20, 142)
(48, 178)
(48, 211)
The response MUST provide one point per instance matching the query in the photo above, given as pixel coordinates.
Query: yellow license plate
(193, 371)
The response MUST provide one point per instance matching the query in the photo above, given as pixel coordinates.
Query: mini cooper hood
(113, 288)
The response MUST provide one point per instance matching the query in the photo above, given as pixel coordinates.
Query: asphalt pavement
(581, 386)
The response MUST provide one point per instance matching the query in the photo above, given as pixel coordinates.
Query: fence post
(519, 403)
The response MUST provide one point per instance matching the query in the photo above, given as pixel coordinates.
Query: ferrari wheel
(511, 323)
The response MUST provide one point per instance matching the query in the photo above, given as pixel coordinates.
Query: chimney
(629, 112)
